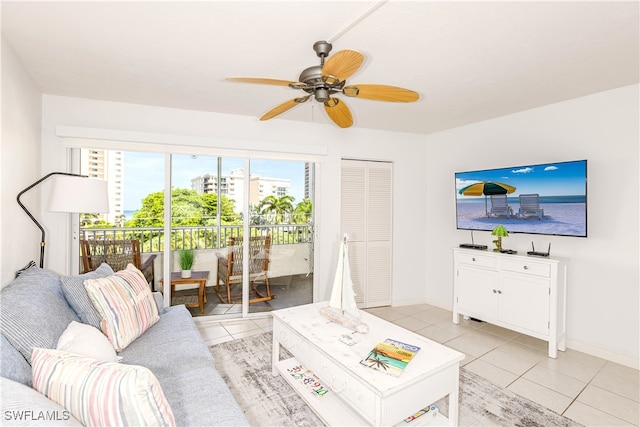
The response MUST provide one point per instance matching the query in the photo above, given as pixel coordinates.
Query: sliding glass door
(247, 223)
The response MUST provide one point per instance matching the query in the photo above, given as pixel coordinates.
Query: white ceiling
(468, 60)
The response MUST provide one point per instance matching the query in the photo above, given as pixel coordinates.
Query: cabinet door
(524, 302)
(476, 292)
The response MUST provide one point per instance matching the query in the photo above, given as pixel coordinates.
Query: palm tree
(279, 206)
(302, 212)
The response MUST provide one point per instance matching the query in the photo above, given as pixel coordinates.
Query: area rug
(245, 365)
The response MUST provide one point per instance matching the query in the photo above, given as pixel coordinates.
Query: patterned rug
(245, 365)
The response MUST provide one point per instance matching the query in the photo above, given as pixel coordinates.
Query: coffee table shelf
(333, 410)
(358, 394)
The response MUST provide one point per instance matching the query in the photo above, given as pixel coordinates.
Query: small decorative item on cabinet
(186, 262)
(499, 232)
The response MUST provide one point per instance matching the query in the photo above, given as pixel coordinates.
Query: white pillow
(86, 340)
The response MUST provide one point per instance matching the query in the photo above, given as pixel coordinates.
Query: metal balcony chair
(230, 270)
(118, 254)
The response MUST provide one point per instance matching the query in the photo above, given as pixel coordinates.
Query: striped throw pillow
(125, 305)
(100, 393)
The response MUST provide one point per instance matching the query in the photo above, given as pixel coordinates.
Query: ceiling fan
(328, 79)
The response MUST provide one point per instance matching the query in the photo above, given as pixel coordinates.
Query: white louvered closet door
(366, 200)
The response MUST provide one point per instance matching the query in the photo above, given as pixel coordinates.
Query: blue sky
(144, 173)
(550, 179)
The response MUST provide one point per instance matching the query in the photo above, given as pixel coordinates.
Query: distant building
(232, 186)
(109, 166)
(309, 173)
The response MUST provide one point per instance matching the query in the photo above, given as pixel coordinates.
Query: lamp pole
(32, 217)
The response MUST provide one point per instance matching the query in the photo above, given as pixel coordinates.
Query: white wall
(216, 133)
(20, 160)
(603, 297)
(603, 128)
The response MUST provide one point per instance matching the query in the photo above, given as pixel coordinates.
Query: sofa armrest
(157, 296)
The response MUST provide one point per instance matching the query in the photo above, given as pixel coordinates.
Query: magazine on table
(390, 356)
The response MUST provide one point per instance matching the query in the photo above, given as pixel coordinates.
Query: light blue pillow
(13, 365)
(76, 294)
(34, 311)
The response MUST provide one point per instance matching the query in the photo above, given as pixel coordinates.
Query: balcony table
(197, 277)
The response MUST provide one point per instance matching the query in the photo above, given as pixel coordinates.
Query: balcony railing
(200, 237)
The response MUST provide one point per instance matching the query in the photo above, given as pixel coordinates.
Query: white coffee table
(357, 394)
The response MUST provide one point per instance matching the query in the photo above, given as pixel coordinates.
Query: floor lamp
(72, 193)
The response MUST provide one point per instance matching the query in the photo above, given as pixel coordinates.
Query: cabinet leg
(553, 349)
(456, 318)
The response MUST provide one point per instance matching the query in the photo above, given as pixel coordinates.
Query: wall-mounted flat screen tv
(548, 198)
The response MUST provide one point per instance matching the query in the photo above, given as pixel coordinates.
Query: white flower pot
(185, 274)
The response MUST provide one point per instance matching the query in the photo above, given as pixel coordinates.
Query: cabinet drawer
(478, 260)
(523, 266)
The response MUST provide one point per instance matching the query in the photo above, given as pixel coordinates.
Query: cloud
(461, 183)
(550, 168)
(523, 170)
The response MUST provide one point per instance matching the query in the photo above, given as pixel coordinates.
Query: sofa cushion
(176, 337)
(23, 406)
(175, 352)
(125, 305)
(13, 365)
(34, 311)
(85, 340)
(76, 294)
(101, 393)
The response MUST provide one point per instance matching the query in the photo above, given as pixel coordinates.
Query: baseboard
(573, 345)
(604, 354)
(413, 301)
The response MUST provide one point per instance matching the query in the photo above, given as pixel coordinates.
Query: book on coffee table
(390, 356)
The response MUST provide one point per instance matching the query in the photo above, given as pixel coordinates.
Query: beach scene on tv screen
(539, 199)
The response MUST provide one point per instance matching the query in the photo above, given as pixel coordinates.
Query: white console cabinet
(526, 294)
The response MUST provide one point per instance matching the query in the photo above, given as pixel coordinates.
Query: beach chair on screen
(499, 206)
(530, 206)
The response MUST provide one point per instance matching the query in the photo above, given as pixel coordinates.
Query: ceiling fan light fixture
(322, 94)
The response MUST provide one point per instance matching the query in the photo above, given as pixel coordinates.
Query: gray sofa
(37, 307)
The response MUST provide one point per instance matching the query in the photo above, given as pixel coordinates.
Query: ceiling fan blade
(338, 112)
(285, 106)
(343, 64)
(260, 80)
(381, 93)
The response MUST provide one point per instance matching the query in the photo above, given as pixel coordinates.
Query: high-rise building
(232, 186)
(109, 166)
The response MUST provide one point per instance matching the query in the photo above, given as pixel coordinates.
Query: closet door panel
(366, 217)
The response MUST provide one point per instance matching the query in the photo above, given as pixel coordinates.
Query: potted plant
(186, 262)
(499, 232)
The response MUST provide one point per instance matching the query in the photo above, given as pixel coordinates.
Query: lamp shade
(79, 194)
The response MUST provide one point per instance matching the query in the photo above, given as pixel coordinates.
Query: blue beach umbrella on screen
(486, 188)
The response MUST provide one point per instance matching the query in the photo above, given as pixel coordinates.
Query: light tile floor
(587, 389)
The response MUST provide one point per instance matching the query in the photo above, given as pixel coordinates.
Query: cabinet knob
(526, 267)
(473, 259)
(499, 291)
(495, 292)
